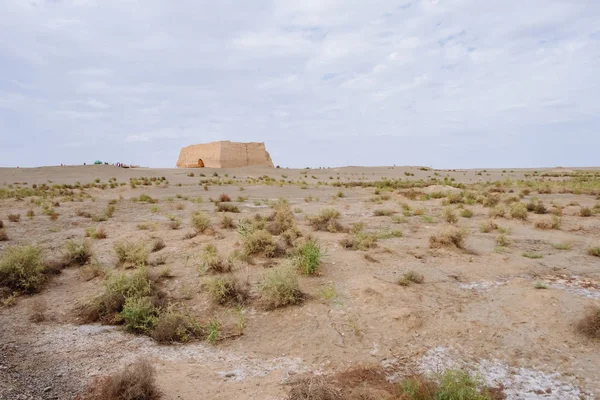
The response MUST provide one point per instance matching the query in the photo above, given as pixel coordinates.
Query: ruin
(224, 154)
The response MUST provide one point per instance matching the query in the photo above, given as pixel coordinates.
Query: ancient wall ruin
(224, 154)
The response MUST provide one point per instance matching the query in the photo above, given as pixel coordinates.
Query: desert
(277, 283)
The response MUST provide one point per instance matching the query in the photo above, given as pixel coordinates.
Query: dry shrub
(22, 268)
(359, 241)
(227, 222)
(200, 222)
(554, 223)
(326, 220)
(133, 253)
(1, 224)
(451, 237)
(491, 200)
(94, 233)
(585, 212)
(77, 253)
(227, 207)
(280, 288)
(37, 310)
(212, 262)
(14, 217)
(136, 382)
(228, 290)
(497, 212)
(314, 388)
(518, 211)
(261, 242)
(173, 326)
(282, 218)
(411, 277)
(3, 235)
(449, 216)
(488, 226)
(382, 212)
(157, 245)
(594, 251)
(589, 325)
(224, 198)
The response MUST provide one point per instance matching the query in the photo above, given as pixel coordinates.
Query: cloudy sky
(443, 83)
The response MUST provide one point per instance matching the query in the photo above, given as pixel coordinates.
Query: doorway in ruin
(200, 163)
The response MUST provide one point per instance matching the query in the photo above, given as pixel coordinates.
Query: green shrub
(200, 222)
(96, 233)
(449, 385)
(503, 241)
(22, 268)
(138, 314)
(134, 253)
(280, 288)
(532, 255)
(466, 213)
(307, 257)
(359, 241)
(594, 251)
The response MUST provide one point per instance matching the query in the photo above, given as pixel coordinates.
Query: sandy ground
(477, 308)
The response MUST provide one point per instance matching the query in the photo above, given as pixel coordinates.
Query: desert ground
(275, 283)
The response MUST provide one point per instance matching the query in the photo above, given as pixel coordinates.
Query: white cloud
(289, 72)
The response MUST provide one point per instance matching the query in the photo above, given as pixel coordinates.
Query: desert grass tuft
(227, 290)
(212, 262)
(132, 253)
(450, 237)
(136, 382)
(77, 252)
(554, 223)
(518, 211)
(280, 288)
(200, 222)
(307, 256)
(411, 277)
(22, 268)
(326, 220)
(589, 325)
(594, 251)
(449, 216)
(96, 233)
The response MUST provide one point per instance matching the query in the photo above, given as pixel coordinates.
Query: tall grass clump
(132, 253)
(327, 220)
(22, 268)
(280, 288)
(200, 222)
(307, 256)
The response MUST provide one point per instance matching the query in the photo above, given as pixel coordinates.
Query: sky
(439, 83)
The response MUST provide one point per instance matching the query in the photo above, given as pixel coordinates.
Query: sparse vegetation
(227, 207)
(227, 222)
(585, 212)
(3, 235)
(14, 217)
(562, 246)
(540, 285)
(594, 251)
(466, 213)
(212, 262)
(158, 244)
